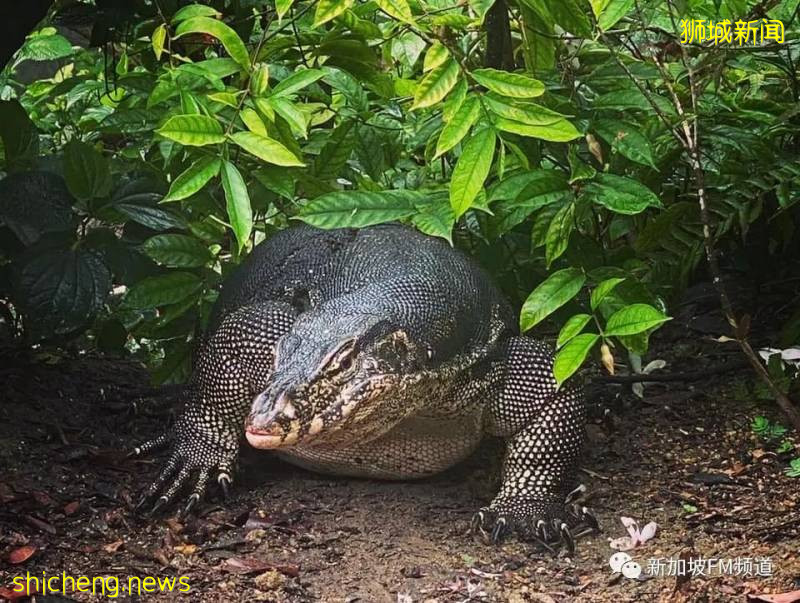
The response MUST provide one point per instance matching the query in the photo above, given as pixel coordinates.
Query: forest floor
(684, 457)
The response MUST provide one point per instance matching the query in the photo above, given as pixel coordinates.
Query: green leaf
(288, 111)
(329, 9)
(193, 179)
(337, 150)
(158, 38)
(571, 16)
(266, 149)
(195, 10)
(399, 9)
(481, 7)
(177, 251)
(253, 121)
(572, 327)
(436, 55)
(436, 219)
(560, 131)
(237, 202)
(621, 195)
(86, 171)
(60, 290)
(163, 290)
(45, 46)
(627, 140)
(139, 208)
(471, 170)
(608, 12)
(508, 84)
(357, 209)
(454, 99)
(458, 126)
(633, 319)
(570, 358)
(192, 130)
(282, 7)
(549, 296)
(18, 134)
(559, 232)
(297, 81)
(600, 292)
(436, 84)
(230, 39)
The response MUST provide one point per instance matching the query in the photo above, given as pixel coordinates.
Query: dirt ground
(685, 458)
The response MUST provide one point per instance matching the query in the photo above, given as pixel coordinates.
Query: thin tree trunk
(499, 53)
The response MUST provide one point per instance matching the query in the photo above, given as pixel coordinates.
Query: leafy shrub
(215, 125)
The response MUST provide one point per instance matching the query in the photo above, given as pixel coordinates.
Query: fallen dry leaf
(250, 565)
(70, 508)
(12, 593)
(186, 549)
(790, 597)
(112, 547)
(21, 554)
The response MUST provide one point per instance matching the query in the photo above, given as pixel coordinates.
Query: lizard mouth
(281, 426)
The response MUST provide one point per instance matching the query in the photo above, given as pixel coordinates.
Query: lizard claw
(224, 481)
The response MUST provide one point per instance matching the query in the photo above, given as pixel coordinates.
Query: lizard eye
(342, 360)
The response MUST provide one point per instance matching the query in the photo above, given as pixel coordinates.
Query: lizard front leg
(231, 367)
(545, 428)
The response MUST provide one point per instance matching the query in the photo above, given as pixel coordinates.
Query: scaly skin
(378, 353)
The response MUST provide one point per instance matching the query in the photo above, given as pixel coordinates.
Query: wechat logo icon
(622, 562)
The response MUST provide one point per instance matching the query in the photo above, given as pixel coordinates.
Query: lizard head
(331, 370)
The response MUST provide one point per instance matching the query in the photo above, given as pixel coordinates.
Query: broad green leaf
(297, 81)
(86, 171)
(195, 10)
(481, 7)
(570, 358)
(192, 130)
(454, 99)
(399, 9)
(226, 35)
(237, 202)
(267, 149)
(560, 131)
(253, 122)
(572, 327)
(337, 150)
(608, 12)
(140, 208)
(282, 7)
(277, 179)
(288, 111)
(436, 55)
(471, 170)
(45, 45)
(633, 319)
(523, 112)
(458, 126)
(509, 84)
(571, 16)
(621, 195)
(436, 219)
(193, 179)
(19, 136)
(436, 84)
(163, 290)
(559, 232)
(600, 292)
(626, 139)
(549, 296)
(158, 38)
(329, 9)
(225, 98)
(357, 209)
(59, 291)
(177, 251)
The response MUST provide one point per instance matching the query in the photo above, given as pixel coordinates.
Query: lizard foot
(194, 458)
(553, 525)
